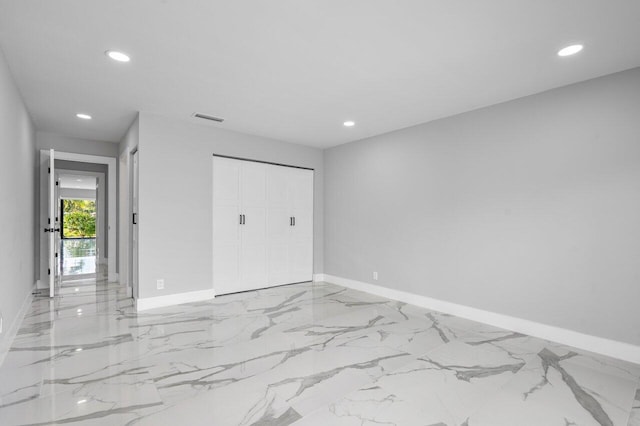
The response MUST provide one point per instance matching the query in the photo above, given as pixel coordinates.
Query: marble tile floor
(304, 354)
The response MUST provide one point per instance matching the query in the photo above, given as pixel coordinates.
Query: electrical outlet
(375, 276)
(160, 284)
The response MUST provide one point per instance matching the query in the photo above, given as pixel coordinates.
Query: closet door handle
(294, 221)
(244, 220)
(290, 220)
(240, 219)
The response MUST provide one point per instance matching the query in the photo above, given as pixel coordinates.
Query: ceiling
(296, 70)
(67, 181)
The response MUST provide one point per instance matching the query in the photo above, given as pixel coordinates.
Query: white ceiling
(295, 70)
(77, 182)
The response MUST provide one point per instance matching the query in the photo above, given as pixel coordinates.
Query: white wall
(47, 140)
(530, 208)
(17, 197)
(175, 173)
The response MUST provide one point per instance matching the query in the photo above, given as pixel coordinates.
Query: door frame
(111, 214)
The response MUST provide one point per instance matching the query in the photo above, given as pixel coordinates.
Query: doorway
(78, 248)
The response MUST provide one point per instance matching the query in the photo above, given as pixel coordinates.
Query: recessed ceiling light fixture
(83, 116)
(349, 123)
(570, 50)
(117, 56)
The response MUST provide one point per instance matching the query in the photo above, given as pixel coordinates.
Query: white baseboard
(600, 345)
(9, 333)
(173, 299)
(317, 278)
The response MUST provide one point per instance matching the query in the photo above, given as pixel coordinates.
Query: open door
(52, 224)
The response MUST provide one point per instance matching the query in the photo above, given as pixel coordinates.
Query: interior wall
(529, 208)
(175, 172)
(17, 195)
(47, 140)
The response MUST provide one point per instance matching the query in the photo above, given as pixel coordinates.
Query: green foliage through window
(79, 218)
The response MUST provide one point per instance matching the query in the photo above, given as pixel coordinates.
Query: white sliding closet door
(301, 243)
(253, 230)
(279, 224)
(226, 225)
(262, 225)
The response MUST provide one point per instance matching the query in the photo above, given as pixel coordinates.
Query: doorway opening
(60, 175)
(78, 255)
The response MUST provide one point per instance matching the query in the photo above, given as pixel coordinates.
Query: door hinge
(56, 255)
(57, 183)
(49, 220)
(48, 169)
(49, 271)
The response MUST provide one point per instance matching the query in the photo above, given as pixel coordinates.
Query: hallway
(303, 354)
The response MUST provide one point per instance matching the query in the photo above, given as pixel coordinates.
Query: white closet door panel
(301, 261)
(303, 224)
(253, 267)
(226, 181)
(278, 225)
(253, 231)
(253, 248)
(226, 269)
(301, 188)
(226, 225)
(278, 181)
(253, 184)
(278, 264)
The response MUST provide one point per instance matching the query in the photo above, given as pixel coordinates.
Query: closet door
(226, 225)
(301, 241)
(253, 230)
(279, 224)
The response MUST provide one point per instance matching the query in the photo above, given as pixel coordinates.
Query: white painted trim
(600, 345)
(318, 278)
(113, 201)
(9, 333)
(174, 299)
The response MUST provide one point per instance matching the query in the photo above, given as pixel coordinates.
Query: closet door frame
(267, 284)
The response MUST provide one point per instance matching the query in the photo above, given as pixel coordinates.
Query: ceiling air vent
(208, 117)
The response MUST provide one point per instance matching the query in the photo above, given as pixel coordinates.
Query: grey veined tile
(307, 354)
(634, 417)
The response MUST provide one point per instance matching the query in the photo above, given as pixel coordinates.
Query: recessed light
(118, 56)
(570, 50)
(83, 116)
(349, 123)
(82, 401)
